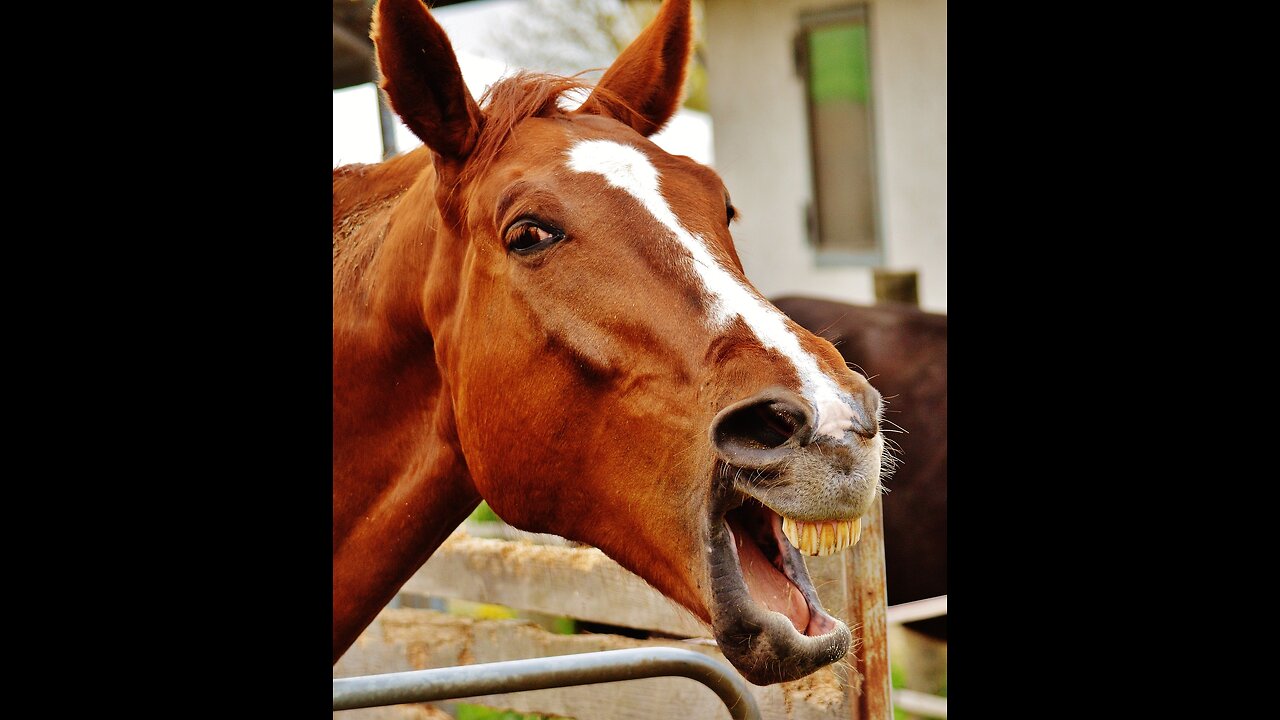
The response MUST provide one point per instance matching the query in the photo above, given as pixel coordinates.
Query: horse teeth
(827, 544)
(789, 529)
(822, 538)
(810, 538)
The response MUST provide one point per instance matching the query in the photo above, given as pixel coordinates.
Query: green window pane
(838, 64)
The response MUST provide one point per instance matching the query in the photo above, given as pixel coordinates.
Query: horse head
(564, 328)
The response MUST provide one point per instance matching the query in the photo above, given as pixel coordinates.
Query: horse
(904, 349)
(541, 308)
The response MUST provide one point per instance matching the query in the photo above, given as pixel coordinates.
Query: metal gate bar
(548, 672)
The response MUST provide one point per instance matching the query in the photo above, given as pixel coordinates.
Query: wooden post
(852, 587)
(865, 590)
(896, 286)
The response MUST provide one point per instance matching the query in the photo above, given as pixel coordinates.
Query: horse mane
(363, 194)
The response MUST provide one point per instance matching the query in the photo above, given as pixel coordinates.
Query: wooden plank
(870, 698)
(579, 582)
(410, 639)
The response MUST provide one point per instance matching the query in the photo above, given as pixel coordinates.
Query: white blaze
(627, 168)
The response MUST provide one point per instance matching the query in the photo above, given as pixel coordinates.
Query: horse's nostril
(758, 431)
(777, 423)
(766, 425)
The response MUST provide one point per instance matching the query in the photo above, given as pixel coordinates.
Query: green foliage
(479, 712)
(484, 514)
(564, 626)
(897, 679)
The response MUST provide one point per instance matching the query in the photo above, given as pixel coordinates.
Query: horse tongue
(767, 585)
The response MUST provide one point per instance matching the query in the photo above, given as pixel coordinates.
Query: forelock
(519, 97)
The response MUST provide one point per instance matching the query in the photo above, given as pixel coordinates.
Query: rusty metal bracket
(548, 672)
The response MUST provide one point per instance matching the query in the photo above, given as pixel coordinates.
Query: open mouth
(766, 545)
(766, 614)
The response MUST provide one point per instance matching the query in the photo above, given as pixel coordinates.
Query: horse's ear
(648, 77)
(421, 77)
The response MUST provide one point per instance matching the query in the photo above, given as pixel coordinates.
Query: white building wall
(762, 152)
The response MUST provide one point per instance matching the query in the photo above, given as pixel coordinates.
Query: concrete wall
(762, 151)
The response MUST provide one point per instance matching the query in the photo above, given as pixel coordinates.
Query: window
(833, 59)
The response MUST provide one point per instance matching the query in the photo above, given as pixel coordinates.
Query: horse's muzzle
(794, 480)
(784, 453)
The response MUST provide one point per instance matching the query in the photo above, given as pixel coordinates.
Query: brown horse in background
(542, 308)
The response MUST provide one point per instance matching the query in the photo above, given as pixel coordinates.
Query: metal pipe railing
(547, 672)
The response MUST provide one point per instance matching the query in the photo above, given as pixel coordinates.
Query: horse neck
(400, 484)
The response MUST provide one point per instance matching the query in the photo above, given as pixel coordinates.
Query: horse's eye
(527, 237)
(731, 212)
